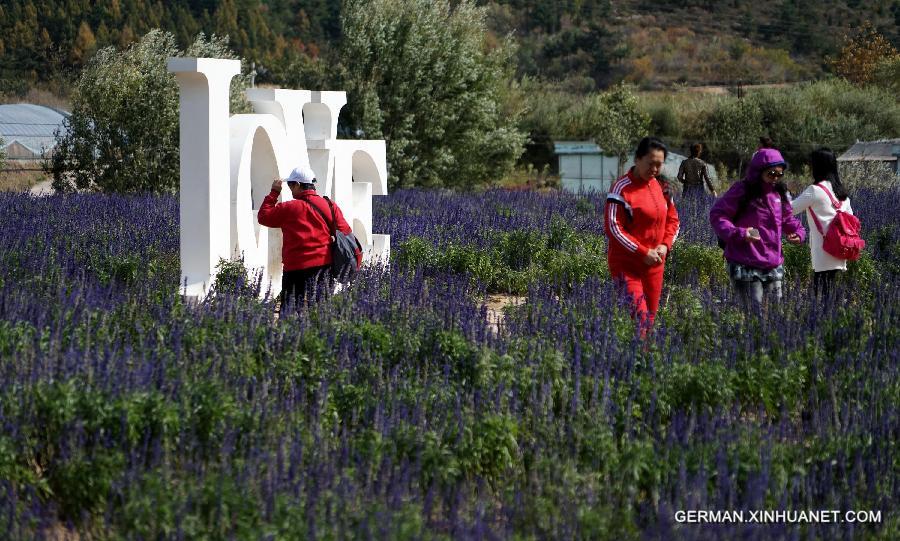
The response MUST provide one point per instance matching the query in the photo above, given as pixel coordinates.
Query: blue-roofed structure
(29, 131)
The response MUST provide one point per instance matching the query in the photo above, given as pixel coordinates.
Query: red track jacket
(306, 237)
(638, 218)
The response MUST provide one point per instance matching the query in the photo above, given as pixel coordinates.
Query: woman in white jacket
(815, 200)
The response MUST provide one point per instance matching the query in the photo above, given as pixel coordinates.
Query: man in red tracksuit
(641, 225)
(306, 246)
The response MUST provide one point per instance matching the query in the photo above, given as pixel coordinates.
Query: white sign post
(228, 164)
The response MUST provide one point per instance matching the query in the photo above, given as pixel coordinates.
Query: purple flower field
(393, 411)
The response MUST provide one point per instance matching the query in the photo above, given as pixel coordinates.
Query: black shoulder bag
(344, 265)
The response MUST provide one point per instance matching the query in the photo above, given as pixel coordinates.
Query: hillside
(694, 42)
(584, 43)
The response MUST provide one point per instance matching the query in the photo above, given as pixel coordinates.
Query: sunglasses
(774, 173)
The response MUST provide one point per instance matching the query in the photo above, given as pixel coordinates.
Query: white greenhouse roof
(31, 126)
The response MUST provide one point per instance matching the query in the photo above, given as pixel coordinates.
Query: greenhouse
(29, 131)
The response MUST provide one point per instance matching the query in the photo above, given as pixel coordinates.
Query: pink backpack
(842, 239)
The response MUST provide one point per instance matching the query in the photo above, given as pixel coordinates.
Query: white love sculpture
(228, 163)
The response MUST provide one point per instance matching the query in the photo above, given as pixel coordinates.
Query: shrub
(695, 260)
(734, 126)
(868, 175)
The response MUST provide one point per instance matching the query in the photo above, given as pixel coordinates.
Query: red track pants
(643, 287)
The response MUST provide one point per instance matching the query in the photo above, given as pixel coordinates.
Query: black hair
(766, 142)
(824, 167)
(303, 185)
(755, 190)
(696, 149)
(650, 143)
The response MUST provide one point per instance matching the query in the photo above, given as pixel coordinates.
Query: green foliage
(868, 174)
(777, 386)
(421, 76)
(545, 118)
(232, 277)
(887, 74)
(562, 257)
(736, 126)
(663, 120)
(865, 272)
(615, 121)
(797, 261)
(704, 262)
(832, 113)
(123, 132)
(700, 385)
(684, 311)
(489, 448)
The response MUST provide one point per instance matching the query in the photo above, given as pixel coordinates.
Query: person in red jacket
(641, 224)
(306, 245)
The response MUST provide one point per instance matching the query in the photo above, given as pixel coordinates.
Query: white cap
(301, 174)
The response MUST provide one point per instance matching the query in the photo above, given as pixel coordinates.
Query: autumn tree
(84, 46)
(861, 55)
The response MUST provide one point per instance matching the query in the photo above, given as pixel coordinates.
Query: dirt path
(495, 305)
(42, 188)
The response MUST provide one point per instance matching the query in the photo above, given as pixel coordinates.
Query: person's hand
(652, 258)
(793, 238)
(662, 250)
(715, 194)
(276, 185)
(752, 234)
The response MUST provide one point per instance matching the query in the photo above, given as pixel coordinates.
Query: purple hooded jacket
(769, 214)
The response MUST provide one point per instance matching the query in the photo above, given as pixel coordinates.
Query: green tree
(420, 74)
(733, 128)
(615, 120)
(887, 74)
(122, 135)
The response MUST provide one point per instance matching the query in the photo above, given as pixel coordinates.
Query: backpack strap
(834, 202)
(334, 224)
(817, 222)
(333, 218)
(331, 226)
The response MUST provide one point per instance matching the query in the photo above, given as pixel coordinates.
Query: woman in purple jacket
(750, 219)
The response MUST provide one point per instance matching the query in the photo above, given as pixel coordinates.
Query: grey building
(885, 150)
